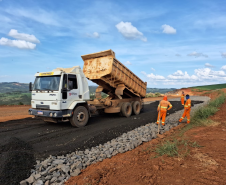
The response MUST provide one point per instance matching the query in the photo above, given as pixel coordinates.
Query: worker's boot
(163, 124)
(181, 119)
(188, 121)
(157, 122)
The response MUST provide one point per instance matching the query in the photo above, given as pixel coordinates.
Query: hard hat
(165, 98)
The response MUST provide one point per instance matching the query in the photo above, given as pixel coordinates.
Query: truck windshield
(47, 83)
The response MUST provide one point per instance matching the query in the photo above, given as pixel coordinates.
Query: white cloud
(178, 55)
(180, 76)
(168, 29)
(223, 68)
(152, 69)
(178, 73)
(127, 63)
(23, 36)
(209, 65)
(129, 31)
(223, 55)
(200, 76)
(94, 35)
(21, 44)
(153, 77)
(195, 54)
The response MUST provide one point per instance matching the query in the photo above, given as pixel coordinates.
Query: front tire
(80, 117)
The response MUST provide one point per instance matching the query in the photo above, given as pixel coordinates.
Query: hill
(14, 93)
(209, 87)
(161, 90)
(6, 87)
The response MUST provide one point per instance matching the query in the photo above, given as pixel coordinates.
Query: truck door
(72, 89)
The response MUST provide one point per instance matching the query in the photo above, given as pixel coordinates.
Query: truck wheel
(80, 117)
(136, 107)
(126, 109)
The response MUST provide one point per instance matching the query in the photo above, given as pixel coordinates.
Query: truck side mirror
(30, 86)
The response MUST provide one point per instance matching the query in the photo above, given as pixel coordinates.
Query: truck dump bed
(112, 76)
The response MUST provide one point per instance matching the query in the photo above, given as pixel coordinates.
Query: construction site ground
(26, 140)
(201, 164)
(23, 141)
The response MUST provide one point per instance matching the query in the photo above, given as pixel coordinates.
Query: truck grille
(42, 107)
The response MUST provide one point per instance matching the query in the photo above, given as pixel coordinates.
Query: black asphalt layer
(43, 139)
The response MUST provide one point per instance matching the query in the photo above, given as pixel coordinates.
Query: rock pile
(56, 170)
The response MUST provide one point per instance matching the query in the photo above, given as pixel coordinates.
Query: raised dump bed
(112, 76)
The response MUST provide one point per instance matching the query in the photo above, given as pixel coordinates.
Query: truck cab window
(72, 82)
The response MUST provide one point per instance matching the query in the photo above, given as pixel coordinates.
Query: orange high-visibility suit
(187, 110)
(182, 98)
(163, 107)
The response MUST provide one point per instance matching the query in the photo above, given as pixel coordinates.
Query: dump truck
(63, 94)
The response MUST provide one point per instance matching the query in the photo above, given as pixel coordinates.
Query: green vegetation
(15, 98)
(209, 87)
(204, 112)
(156, 94)
(175, 148)
(200, 116)
(6, 87)
(169, 148)
(14, 93)
(161, 91)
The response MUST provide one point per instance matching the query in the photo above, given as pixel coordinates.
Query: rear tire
(80, 117)
(126, 109)
(136, 107)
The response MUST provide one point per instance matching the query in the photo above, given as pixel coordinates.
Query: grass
(169, 148)
(180, 148)
(200, 117)
(175, 148)
(209, 87)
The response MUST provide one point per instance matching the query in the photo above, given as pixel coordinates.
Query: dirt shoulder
(200, 165)
(14, 112)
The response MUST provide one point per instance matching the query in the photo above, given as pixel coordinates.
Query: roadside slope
(200, 159)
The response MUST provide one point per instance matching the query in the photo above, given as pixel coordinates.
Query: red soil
(14, 112)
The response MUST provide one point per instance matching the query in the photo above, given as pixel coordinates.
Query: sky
(167, 43)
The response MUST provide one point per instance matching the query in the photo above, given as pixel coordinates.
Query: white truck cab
(61, 95)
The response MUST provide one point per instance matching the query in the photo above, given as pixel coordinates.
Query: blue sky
(166, 43)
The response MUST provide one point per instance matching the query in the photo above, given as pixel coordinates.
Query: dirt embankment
(201, 165)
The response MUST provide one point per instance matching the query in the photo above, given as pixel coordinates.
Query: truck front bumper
(51, 113)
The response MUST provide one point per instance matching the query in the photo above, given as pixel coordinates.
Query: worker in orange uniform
(187, 109)
(182, 98)
(164, 105)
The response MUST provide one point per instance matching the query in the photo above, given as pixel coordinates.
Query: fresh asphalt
(61, 138)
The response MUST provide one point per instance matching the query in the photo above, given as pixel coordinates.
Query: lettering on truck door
(73, 91)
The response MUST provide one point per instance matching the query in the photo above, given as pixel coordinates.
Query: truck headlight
(54, 103)
(30, 112)
(55, 114)
(50, 114)
(32, 101)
